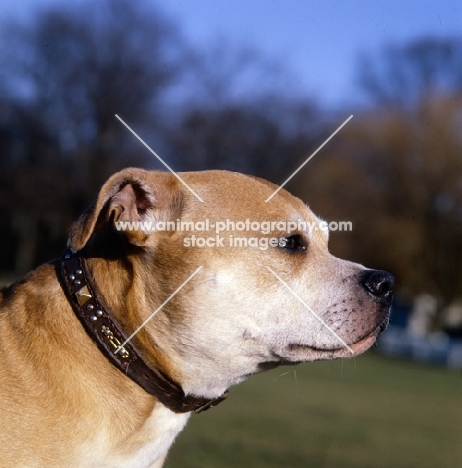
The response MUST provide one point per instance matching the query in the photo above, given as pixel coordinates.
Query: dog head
(263, 289)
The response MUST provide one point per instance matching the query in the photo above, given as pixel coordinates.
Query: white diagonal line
(310, 309)
(157, 310)
(284, 183)
(162, 161)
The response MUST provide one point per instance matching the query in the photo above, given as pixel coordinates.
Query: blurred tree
(402, 75)
(224, 73)
(247, 137)
(65, 76)
(80, 66)
(30, 174)
(239, 113)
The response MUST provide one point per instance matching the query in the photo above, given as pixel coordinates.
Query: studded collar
(108, 335)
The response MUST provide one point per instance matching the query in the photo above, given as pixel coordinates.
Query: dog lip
(353, 349)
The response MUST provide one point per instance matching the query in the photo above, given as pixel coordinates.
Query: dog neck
(104, 329)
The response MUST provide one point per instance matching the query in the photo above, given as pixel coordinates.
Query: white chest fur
(144, 449)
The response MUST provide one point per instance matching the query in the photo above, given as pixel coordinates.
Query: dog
(107, 350)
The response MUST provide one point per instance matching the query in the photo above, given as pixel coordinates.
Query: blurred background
(256, 86)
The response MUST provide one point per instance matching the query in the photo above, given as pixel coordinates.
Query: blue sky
(317, 40)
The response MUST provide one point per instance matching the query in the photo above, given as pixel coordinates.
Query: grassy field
(368, 412)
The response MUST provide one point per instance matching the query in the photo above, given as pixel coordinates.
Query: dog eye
(293, 243)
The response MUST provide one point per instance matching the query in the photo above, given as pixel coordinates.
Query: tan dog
(63, 401)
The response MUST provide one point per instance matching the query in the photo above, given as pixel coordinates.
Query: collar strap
(104, 330)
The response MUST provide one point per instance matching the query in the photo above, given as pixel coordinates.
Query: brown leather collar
(108, 335)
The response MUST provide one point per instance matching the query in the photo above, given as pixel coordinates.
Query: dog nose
(380, 284)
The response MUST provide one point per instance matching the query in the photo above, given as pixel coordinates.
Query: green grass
(367, 412)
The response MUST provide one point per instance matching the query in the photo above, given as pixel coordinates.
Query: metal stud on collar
(83, 295)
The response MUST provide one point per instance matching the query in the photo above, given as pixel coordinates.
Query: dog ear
(126, 196)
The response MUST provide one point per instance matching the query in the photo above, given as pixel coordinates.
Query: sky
(318, 41)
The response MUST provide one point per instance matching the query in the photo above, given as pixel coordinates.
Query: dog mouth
(313, 353)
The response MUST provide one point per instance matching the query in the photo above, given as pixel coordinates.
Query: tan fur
(62, 403)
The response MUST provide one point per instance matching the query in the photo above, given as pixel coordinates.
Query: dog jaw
(298, 353)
